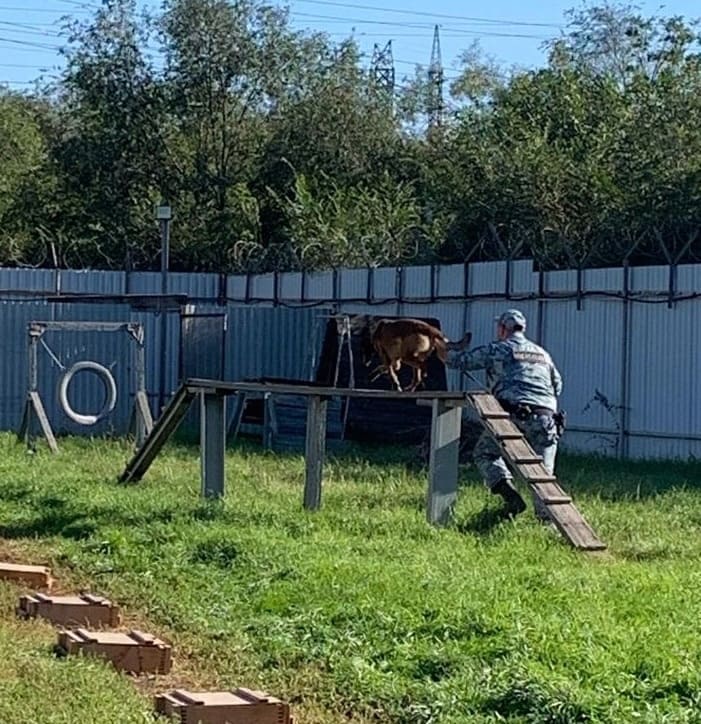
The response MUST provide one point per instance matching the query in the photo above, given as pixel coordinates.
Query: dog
(406, 341)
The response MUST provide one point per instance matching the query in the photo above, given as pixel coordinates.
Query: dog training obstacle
(528, 466)
(443, 457)
(241, 706)
(82, 610)
(134, 652)
(35, 576)
(141, 418)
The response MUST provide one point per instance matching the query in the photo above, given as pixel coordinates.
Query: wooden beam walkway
(443, 458)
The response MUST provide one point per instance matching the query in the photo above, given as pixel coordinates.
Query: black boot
(514, 502)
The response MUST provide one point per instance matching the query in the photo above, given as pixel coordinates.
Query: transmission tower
(382, 68)
(435, 84)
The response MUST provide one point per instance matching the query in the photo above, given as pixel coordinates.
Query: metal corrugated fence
(629, 362)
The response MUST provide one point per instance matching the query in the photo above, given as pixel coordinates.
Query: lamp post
(164, 215)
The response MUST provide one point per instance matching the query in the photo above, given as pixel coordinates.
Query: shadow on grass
(54, 516)
(57, 519)
(483, 524)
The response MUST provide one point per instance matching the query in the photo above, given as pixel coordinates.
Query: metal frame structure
(443, 458)
(142, 420)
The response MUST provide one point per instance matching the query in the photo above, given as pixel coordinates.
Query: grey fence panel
(665, 396)
(587, 348)
(610, 351)
(14, 318)
(274, 341)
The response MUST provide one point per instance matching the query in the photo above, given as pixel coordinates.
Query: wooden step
(240, 706)
(82, 610)
(519, 451)
(502, 429)
(488, 407)
(35, 576)
(550, 493)
(535, 473)
(574, 527)
(135, 652)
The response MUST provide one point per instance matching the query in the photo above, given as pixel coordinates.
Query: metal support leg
(314, 451)
(443, 462)
(212, 444)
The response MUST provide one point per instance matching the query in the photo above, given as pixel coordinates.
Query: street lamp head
(163, 212)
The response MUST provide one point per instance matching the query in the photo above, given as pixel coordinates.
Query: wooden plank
(48, 433)
(550, 493)
(310, 389)
(519, 451)
(242, 706)
(164, 427)
(502, 429)
(315, 448)
(443, 462)
(144, 419)
(82, 610)
(574, 527)
(36, 576)
(212, 444)
(535, 473)
(134, 651)
(487, 406)
(270, 427)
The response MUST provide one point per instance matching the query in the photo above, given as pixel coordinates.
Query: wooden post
(212, 443)
(443, 462)
(314, 451)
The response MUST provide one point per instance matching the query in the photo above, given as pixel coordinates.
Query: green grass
(362, 611)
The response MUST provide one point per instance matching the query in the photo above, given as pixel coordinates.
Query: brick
(241, 706)
(82, 610)
(135, 651)
(37, 576)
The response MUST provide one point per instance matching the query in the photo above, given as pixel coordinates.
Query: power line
(416, 25)
(40, 10)
(430, 14)
(29, 43)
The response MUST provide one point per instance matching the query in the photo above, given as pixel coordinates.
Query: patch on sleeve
(530, 356)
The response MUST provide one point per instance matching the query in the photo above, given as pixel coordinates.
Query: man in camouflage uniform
(523, 377)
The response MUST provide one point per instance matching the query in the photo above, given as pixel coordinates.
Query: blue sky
(510, 31)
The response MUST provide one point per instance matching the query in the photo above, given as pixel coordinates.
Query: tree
(107, 148)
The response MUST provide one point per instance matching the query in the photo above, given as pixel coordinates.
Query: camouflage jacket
(518, 370)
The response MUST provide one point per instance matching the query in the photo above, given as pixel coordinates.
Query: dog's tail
(441, 348)
(444, 345)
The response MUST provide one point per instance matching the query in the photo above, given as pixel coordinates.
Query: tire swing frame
(34, 412)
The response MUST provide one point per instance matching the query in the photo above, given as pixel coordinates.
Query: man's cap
(511, 318)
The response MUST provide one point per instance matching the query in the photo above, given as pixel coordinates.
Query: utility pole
(164, 215)
(435, 84)
(382, 69)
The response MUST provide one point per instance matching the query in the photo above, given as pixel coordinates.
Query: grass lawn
(361, 612)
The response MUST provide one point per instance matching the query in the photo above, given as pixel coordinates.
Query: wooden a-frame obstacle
(443, 459)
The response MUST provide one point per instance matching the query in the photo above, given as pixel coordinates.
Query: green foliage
(333, 225)
(277, 150)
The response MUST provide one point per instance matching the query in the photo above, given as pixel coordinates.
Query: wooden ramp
(528, 466)
(442, 490)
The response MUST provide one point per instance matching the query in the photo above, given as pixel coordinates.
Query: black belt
(524, 409)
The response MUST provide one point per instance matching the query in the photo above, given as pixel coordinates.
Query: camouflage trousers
(541, 433)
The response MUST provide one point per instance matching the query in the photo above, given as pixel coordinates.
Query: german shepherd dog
(406, 341)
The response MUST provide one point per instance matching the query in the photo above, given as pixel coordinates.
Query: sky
(510, 31)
